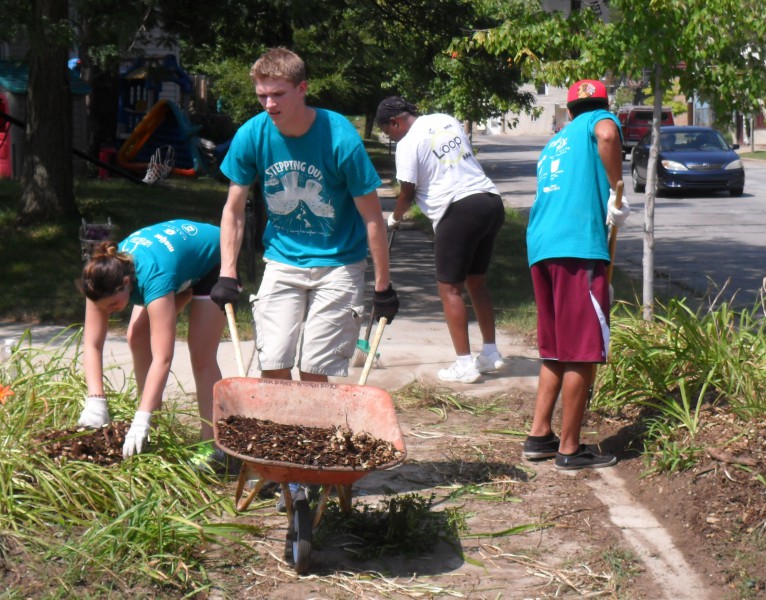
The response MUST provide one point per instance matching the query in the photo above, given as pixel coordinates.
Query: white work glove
(137, 434)
(615, 217)
(392, 222)
(95, 414)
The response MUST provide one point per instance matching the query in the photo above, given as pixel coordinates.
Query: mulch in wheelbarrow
(306, 446)
(99, 446)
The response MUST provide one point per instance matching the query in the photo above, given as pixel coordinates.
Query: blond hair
(279, 63)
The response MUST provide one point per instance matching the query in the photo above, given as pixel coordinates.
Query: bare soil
(472, 463)
(716, 509)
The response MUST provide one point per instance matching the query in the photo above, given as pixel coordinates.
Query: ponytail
(104, 274)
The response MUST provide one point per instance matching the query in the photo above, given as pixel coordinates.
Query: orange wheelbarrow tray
(360, 408)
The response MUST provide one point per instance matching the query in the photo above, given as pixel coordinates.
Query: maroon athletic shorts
(572, 297)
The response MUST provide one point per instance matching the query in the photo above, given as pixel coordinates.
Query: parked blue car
(690, 159)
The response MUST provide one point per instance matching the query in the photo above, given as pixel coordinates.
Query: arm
(232, 228)
(94, 335)
(369, 207)
(162, 337)
(95, 413)
(404, 200)
(610, 150)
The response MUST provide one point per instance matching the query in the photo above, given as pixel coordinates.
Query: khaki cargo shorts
(309, 317)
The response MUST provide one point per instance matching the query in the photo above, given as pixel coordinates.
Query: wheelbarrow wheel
(303, 521)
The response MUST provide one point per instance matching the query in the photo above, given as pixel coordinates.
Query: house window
(542, 90)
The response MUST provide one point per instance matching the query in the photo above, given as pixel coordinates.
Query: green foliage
(441, 400)
(624, 565)
(230, 83)
(147, 520)
(675, 365)
(509, 278)
(403, 524)
(668, 98)
(668, 448)
(358, 52)
(680, 37)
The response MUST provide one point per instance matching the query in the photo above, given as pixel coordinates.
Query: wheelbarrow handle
(235, 339)
(373, 350)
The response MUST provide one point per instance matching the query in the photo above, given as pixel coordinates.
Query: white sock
(464, 361)
(489, 349)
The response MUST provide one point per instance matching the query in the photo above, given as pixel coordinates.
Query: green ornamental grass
(683, 360)
(146, 521)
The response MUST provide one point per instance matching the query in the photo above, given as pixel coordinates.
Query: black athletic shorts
(465, 237)
(202, 288)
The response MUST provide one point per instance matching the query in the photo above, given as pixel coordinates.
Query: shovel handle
(613, 234)
(373, 350)
(235, 339)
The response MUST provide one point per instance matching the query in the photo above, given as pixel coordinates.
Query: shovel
(612, 249)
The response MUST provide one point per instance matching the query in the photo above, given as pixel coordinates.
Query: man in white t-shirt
(437, 169)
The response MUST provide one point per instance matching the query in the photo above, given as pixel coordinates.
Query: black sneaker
(535, 449)
(586, 457)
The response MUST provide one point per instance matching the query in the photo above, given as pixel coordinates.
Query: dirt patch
(530, 531)
(99, 446)
(716, 509)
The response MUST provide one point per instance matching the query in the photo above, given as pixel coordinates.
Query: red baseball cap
(586, 90)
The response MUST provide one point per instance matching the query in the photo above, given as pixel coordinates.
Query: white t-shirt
(437, 157)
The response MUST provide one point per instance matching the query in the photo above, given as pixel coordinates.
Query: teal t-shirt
(171, 257)
(568, 216)
(309, 184)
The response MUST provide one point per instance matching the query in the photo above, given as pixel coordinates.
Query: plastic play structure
(150, 118)
(163, 125)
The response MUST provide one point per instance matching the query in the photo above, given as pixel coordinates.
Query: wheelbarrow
(359, 408)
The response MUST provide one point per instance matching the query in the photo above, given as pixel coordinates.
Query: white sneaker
(463, 374)
(485, 363)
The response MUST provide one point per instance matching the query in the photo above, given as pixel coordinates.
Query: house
(553, 104)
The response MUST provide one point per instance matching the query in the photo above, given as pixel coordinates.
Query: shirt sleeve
(407, 161)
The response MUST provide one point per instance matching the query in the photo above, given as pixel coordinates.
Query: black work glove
(386, 304)
(225, 291)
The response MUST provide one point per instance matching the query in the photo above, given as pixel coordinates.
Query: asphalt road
(704, 244)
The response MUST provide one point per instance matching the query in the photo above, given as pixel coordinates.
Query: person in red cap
(568, 254)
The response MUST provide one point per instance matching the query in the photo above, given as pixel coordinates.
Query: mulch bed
(305, 446)
(262, 439)
(99, 446)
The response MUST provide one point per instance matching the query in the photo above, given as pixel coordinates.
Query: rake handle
(235, 339)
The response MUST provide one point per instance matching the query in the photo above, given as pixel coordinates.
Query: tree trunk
(369, 123)
(103, 100)
(47, 178)
(651, 195)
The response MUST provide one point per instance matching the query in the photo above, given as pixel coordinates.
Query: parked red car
(636, 121)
